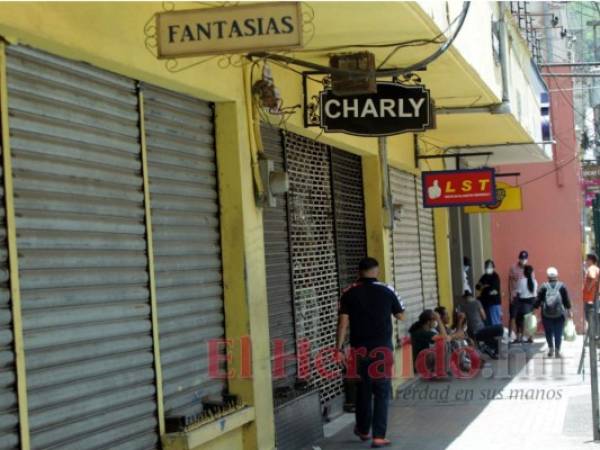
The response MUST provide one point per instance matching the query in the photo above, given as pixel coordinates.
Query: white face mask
(435, 324)
(489, 270)
(523, 262)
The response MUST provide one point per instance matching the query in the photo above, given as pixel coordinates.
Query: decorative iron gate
(314, 259)
(349, 208)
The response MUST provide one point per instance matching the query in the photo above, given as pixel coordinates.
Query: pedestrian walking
(553, 298)
(515, 274)
(367, 308)
(527, 288)
(590, 286)
(488, 288)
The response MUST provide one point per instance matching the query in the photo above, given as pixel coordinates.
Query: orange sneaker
(362, 437)
(380, 443)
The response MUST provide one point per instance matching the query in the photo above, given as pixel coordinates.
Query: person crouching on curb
(367, 307)
(555, 303)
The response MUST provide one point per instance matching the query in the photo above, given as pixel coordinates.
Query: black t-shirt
(420, 340)
(370, 305)
(490, 295)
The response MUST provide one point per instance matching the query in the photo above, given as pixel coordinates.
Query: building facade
(147, 294)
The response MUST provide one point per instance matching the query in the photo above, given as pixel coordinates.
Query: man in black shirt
(367, 307)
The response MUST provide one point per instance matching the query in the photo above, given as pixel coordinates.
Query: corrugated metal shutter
(82, 255)
(185, 229)
(277, 256)
(349, 207)
(407, 261)
(314, 268)
(9, 413)
(428, 257)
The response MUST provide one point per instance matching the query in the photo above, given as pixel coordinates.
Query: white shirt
(523, 291)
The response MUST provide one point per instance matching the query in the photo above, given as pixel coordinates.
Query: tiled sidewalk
(543, 404)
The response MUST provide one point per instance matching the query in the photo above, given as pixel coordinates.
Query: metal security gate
(278, 268)
(9, 414)
(186, 236)
(82, 255)
(406, 247)
(349, 208)
(427, 246)
(314, 267)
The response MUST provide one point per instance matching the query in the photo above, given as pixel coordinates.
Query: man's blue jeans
(554, 331)
(372, 399)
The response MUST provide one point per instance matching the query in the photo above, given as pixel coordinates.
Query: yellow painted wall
(244, 276)
(111, 36)
(233, 440)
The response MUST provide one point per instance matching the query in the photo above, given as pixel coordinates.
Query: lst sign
(459, 188)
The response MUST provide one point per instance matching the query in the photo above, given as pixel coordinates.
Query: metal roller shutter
(349, 207)
(277, 256)
(314, 268)
(82, 255)
(185, 229)
(9, 413)
(407, 261)
(428, 258)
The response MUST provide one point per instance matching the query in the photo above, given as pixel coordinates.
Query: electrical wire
(378, 73)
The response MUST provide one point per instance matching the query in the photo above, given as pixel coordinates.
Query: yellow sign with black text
(508, 198)
(228, 30)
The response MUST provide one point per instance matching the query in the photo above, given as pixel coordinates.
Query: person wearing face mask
(527, 290)
(425, 331)
(515, 274)
(488, 288)
(554, 300)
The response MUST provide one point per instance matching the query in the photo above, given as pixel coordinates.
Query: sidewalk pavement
(525, 401)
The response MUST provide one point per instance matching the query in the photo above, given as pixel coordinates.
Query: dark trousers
(490, 335)
(554, 331)
(372, 400)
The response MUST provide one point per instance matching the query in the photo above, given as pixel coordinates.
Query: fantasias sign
(459, 188)
(232, 29)
(393, 109)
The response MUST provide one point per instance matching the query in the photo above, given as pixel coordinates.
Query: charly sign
(394, 109)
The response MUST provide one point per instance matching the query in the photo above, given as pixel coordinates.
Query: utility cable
(377, 73)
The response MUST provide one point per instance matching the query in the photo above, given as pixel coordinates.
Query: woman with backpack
(554, 300)
(527, 288)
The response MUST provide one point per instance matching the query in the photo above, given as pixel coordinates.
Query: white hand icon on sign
(434, 191)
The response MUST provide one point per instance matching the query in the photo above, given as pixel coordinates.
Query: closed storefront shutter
(428, 258)
(407, 261)
(9, 414)
(82, 255)
(277, 258)
(315, 278)
(185, 229)
(349, 206)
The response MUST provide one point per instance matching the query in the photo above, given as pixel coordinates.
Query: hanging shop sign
(227, 30)
(393, 109)
(590, 172)
(459, 188)
(508, 198)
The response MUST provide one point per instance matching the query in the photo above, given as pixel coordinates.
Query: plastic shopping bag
(569, 333)
(530, 324)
